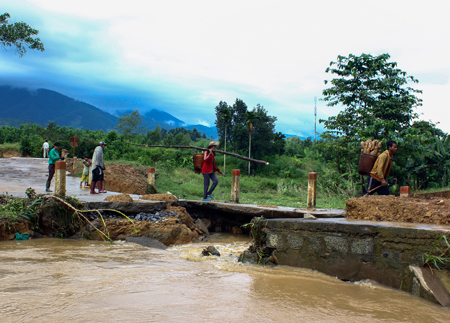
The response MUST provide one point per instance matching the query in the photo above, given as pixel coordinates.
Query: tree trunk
(350, 174)
(249, 150)
(225, 156)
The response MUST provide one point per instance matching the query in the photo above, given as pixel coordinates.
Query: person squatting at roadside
(208, 170)
(52, 159)
(381, 169)
(98, 167)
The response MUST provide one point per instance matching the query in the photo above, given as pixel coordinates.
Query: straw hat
(213, 143)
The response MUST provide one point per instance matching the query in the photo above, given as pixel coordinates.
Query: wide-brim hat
(213, 143)
(102, 143)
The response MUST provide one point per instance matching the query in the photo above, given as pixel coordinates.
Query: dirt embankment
(427, 209)
(55, 218)
(11, 153)
(122, 178)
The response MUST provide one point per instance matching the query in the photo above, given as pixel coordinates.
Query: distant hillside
(10, 122)
(20, 105)
(208, 131)
(42, 106)
(161, 116)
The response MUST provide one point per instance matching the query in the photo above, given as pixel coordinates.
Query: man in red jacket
(208, 170)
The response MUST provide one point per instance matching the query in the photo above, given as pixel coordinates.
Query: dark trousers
(372, 183)
(97, 174)
(51, 172)
(206, 179)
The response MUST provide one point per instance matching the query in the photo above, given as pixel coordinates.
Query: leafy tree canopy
(129, 123)
(224, 116)
(377, 100)
(19, 35)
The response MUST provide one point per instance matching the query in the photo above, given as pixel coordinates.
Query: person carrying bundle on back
(378, 176)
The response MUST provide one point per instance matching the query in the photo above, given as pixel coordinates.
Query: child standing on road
(85, 175)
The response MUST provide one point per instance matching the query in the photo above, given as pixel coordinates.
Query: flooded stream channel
(53, 280)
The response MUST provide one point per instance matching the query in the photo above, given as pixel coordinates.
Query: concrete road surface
(17, 174)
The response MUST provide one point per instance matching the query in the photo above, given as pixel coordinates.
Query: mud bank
(68, 218)
(386, 252)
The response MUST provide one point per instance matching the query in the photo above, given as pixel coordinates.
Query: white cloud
(192, 54)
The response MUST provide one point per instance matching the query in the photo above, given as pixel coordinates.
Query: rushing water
(51, 280)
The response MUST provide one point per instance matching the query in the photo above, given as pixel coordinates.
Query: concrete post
(1, 152)
(60, 178)
(236, 174)
(90, 175)
(312, 191)
(405, 191)
(151, 177)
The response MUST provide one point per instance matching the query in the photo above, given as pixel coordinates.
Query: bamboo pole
(200, 148)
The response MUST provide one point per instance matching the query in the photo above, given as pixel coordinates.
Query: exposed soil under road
(428, 209)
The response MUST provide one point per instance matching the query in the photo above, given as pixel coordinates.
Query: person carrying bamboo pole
(208, 170)
(377, 181)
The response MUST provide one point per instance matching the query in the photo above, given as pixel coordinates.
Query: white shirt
(45, 145)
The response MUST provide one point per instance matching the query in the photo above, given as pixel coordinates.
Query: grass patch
(11, 148)
(186, 184)
(438, 257)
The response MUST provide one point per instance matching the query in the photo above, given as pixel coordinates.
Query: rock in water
(147, 242)
(201, 226)
(211, 251)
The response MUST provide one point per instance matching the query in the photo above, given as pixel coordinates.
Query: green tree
(378, 104)
(154, 136)
(374, 92)
(129, 124)
(224, 116)
(250, 118)
(169, 140)
(263, 136)
(239, 132)
(182, 139)
(19, 35)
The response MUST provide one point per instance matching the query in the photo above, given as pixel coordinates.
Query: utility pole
(315, 117)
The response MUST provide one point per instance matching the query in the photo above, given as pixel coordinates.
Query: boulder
(201, 226)
(210, 251)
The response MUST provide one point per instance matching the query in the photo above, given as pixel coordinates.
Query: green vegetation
(438, 257)
(66, 214)
(19, 35)
(260, 190)
(12, 208)
(378, 104)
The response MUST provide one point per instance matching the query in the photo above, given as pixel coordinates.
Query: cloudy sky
(183, 57)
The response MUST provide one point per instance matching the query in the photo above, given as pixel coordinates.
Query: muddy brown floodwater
(52, 280)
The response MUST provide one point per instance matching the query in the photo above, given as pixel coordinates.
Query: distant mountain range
(20, 105)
